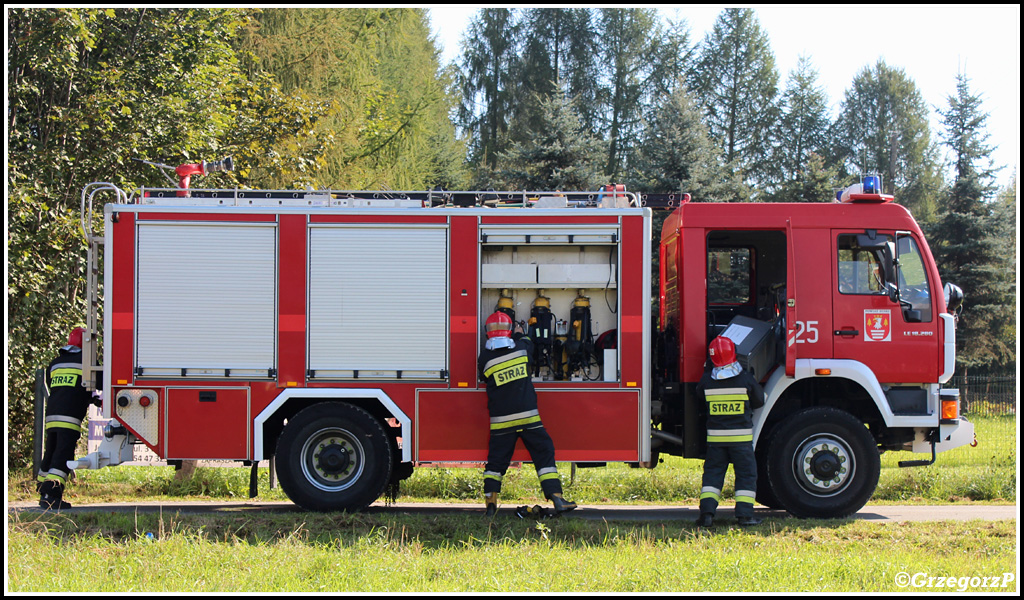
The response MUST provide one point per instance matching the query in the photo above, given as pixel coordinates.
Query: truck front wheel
(822, 463)
(333, 456)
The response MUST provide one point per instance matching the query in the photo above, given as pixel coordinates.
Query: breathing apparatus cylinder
(559, 358)
(506, 304)
(580, 346)
(541, 332)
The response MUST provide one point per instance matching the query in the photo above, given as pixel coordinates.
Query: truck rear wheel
(765, 495)
(334, 456)
(822, 463)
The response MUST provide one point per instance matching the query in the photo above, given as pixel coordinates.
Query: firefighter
(731, 394)
(512, 404)
(65, 411)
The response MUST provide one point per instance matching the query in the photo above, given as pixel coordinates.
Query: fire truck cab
(839, 310)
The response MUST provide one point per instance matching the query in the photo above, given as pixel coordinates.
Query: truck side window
(860, 270)
(729, 276)
(913, 277)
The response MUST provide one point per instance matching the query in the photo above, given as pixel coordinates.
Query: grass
(465, 553)
(385, 552)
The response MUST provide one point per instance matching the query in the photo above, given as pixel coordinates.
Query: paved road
(594, 512)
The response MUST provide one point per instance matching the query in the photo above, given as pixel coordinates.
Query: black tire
(822, 463)
(334, 456)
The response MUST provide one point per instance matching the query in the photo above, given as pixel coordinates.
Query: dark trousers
(716, 463)
(61, 438)
(59, 449)
(542, 451)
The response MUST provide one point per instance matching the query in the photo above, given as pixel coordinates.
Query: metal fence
(988, 395)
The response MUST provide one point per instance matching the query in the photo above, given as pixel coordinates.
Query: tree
(801, 139)
(737, 83)
(486, 83)
(558, 44)
(644, 60)
(88, 91)
(814, 181)
(377, 69)
(969, 234)
(558, 155)
(677, 155)
(883, 128)
(1005, 216)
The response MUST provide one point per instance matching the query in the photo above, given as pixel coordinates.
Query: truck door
(896, 337)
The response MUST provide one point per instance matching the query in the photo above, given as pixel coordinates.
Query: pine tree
(737, 83)
(966, 239)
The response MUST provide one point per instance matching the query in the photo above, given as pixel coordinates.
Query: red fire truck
(336, 333)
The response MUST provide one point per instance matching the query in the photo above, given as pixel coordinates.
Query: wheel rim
(332, 459)
(824, 465)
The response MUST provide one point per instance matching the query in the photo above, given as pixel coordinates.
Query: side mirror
(954, 297)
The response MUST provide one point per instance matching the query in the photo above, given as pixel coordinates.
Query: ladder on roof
(407, 199)
(384, 199)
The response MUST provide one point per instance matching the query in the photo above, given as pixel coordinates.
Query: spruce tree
(558, 155)
(643, 62)
(676, 154)
(966, 240)
(558, 44)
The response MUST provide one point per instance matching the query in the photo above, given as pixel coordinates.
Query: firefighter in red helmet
(65, 411)
(504, 364)
(731, 394)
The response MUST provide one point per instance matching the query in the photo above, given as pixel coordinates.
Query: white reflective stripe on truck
(853, 370)
(331, 394)
(948, 347)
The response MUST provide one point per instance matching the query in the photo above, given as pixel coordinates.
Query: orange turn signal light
(823, 371)
(950, 409)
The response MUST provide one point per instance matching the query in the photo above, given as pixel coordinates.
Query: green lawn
(381, 552)
(467, 553)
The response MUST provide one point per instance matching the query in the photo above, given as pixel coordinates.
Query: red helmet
(75, 337)
(722, 351)
(498, 325)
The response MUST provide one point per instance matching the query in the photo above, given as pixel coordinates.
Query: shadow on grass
(382, 527)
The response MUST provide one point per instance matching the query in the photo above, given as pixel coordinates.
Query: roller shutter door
(206, 299)
(378, 302)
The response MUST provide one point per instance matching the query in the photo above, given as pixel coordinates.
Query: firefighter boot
(491, 500)
(561, 504)
(748, 521)
(51, 496)
(705, 520)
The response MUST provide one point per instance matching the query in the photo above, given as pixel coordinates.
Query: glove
(97, 398)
